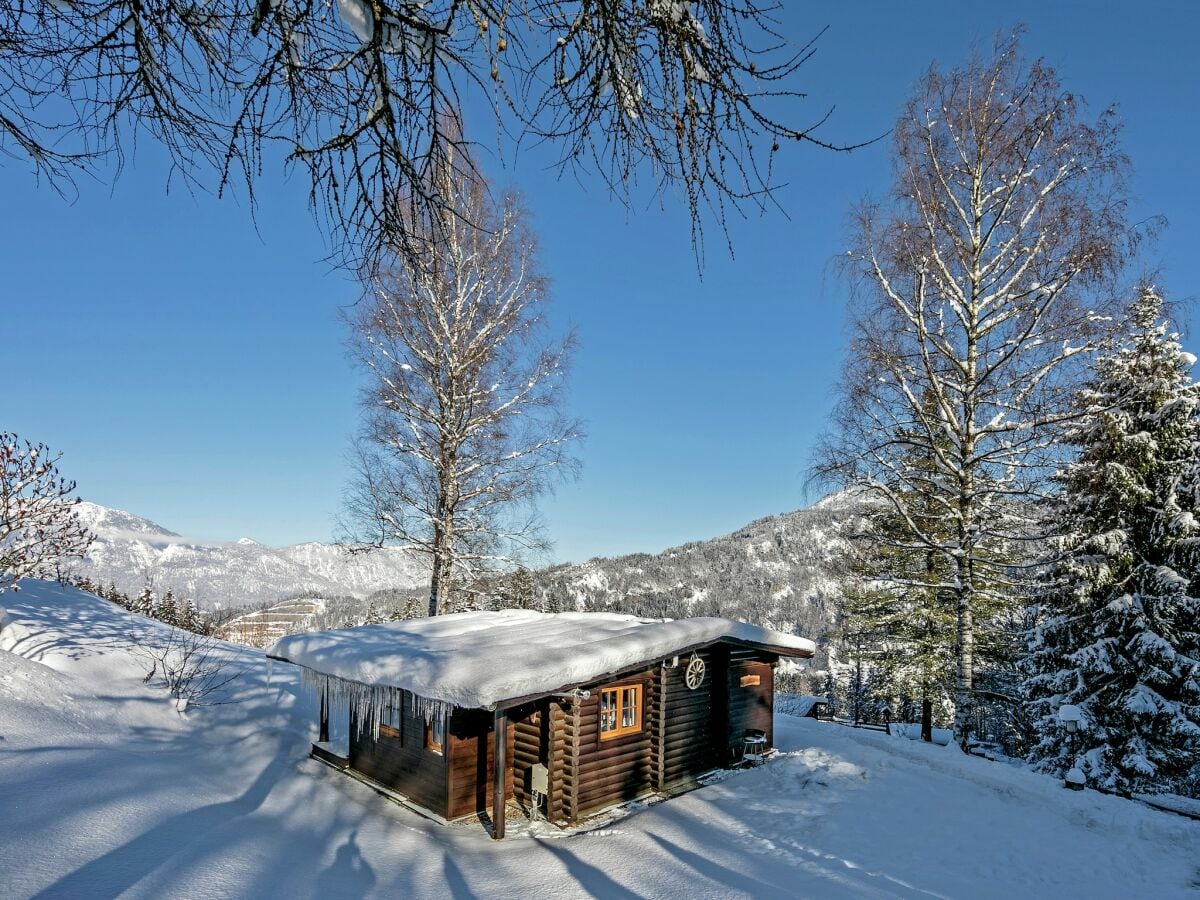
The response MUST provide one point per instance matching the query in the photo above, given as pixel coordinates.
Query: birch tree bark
(463, 423)
(979, 292)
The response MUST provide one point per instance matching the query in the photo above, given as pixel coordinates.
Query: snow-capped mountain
(777, 571)
(133, 552)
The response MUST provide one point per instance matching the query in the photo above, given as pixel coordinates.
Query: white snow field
(106, 791)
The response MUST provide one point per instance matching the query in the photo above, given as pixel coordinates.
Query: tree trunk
(964, 681)
(439, 580)
(927, 720)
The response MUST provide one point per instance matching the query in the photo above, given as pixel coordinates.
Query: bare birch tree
(693, 94)
(463, 421)
(38, 524)
(980, 293)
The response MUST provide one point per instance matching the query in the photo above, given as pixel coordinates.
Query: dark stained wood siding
(402, 764)
(539, 737)
(528, 749)
(750, 707)
(556, 809)
(689, 735)
(469, 751)
(684, 734)
(613, 770)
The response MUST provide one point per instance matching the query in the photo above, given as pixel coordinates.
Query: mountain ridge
(133, 552)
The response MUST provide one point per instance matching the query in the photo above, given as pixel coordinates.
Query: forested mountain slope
(777, 571)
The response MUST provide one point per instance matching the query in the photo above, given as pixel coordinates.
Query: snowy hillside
(776, 571)
(105, 791)
(133, 552)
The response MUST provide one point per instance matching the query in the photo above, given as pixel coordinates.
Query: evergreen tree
(1117, 630)
(898, 611)
(374, 616)
(143, 603)
(189, 617)
(166, 610)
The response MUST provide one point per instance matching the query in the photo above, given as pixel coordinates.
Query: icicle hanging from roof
(370, 703)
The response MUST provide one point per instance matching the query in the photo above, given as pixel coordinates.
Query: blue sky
(191, 368)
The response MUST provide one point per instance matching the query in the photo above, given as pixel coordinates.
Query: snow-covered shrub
(194, 668)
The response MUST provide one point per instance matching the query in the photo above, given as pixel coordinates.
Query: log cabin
(562, 714)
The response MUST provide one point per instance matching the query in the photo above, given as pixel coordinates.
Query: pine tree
(1118, 633)
(373, 615)
(165, 610)
(189, 617)
(898, 614)
(143, 603)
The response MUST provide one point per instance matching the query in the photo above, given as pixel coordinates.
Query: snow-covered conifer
(166, 610)
(189, 616)
(143, 603)
(1118, 634)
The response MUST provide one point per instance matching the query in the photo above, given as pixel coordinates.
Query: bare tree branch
(358, 94)
(463, 428)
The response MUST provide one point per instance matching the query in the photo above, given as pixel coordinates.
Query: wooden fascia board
(645, 664)
(617, 673)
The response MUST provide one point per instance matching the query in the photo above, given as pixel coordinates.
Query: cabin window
(435, 734)
(751, 681)
(392, 724)
(620, 710)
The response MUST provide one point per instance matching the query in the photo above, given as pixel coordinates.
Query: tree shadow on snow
(456, 884)
(713, 871)
(122, 867)
(596, 882)
(348, 875)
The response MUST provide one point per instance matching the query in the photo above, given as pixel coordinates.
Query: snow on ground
(105, 790)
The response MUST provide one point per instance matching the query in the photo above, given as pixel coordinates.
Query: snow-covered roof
(802, 704)
(479, 659)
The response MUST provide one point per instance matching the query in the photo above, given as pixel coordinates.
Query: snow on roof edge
(483, 659)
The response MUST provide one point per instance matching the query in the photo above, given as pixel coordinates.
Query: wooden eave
(637, 667)
(513, 702)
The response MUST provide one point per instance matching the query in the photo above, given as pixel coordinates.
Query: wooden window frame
(431, 744)
(619, 730)
(394, 731)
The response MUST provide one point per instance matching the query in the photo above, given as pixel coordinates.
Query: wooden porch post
(499, 767)
(323, 735)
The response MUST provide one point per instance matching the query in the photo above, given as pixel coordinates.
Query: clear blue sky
(192, 369)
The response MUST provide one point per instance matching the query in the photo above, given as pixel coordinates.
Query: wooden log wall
(469, 751)
(684, 733)
(689, 737)
(401, 762)
(540, 737)
(556, 733)
(599, 773)
(750, 706)
(527, 750)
